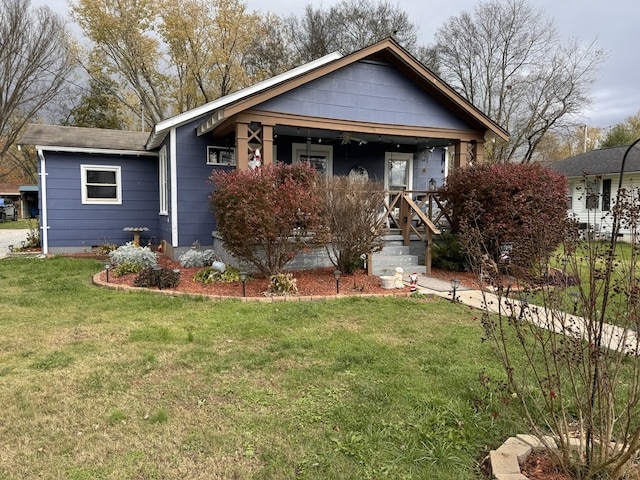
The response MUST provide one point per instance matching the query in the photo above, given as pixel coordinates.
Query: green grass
(21, 224)
(96, 383)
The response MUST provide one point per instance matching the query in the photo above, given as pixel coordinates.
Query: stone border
(273, 299)
(506, 460)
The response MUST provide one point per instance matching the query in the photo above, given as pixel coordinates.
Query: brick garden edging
(266, 299)
(506, 460)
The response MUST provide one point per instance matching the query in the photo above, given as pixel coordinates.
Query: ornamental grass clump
(282, 284)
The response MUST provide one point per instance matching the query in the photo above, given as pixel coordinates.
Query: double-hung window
(101, 184)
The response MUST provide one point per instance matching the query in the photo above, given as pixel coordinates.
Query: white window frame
(163, 184)
(299, 153)
(218, 156)
(101, 201)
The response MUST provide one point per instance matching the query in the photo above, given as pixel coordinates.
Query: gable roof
(55, 137)
(605, 161)
(161, 129)
(387, 50)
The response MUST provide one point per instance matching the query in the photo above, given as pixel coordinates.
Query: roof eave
(161, 129)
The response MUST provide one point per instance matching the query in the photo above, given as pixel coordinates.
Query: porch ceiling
(318, 135)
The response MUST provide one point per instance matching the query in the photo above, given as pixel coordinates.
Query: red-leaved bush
(268, 215)
(522, 204)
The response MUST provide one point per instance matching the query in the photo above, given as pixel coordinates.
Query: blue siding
(74, 224)
(195, 220)
(366, 92)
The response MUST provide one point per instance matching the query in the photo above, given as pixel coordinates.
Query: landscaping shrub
(131, 254)
(161, 278)
(210, 275)
(282, 284)
(125, 268)
(196, 258)
(448, 254)
(350, 213)
(268, 215)
(521, 204)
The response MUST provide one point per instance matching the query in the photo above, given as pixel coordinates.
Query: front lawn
(103, 384)
(21, 224)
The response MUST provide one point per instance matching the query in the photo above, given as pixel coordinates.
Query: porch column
(460, 155)
(242, 146)
(267, 144)
(428, 251)
(480, 152)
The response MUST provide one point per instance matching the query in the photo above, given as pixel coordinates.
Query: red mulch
(540, 466)
(317, 282)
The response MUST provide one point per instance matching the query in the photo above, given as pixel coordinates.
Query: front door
(398, 171)
(398, 176)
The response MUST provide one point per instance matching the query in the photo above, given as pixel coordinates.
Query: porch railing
(416, 213)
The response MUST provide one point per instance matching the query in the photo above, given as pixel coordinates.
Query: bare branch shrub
(570, 354)
(350, 213)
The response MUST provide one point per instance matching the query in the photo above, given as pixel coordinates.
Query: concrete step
(395, 260)
(390, 270)
(391, 250)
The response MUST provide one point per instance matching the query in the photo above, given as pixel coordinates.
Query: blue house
(377, 112)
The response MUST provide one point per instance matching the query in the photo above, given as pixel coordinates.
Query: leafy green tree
(97, 109)
(624, 133)
(123, 37)
(267, 216)
(520, 204)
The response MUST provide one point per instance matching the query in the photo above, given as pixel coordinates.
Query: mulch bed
(314, 283)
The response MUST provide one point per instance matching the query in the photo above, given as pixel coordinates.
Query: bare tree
(349, 26)
(508, 60)
(34, 67)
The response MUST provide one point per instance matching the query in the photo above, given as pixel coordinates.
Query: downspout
(44, 217)
(174, 187)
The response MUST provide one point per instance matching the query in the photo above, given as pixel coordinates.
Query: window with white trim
(319, 156)
(163, 186)
(221, 156)
(101, 184)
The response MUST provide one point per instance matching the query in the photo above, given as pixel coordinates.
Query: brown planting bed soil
(317, 282)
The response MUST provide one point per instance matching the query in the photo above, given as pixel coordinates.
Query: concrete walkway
(11, 237)
(613, 337)
(506, 460)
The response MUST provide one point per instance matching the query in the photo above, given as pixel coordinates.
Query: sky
(613, 24)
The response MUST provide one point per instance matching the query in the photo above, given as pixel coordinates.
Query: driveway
(11, 237)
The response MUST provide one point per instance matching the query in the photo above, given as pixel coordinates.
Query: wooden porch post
(242, 146)
(480, 152)
(460, 155)
(267, 144)
(427, 252)
(405, 221)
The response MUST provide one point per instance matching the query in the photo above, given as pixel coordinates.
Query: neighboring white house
(593, 186)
